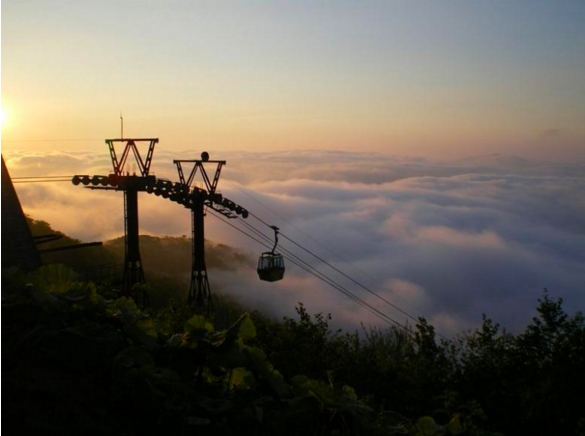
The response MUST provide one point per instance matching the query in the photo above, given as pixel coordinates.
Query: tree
(551, 356)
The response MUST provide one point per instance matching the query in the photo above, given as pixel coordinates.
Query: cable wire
(41, 181)
(52, 140)
(42, 177)
(350, 278)
(305, 234)
(293, 258)
(412, 317)
(341, 272)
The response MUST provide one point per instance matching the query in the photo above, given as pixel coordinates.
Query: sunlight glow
(3, 117)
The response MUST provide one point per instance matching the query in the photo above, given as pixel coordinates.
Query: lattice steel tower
(193, 198)
(199, 289)
(131, 184)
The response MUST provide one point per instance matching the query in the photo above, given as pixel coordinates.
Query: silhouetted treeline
(532, 383)
(177, 373)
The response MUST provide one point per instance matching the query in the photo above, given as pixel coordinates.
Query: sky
(433, 150)
(438, 78)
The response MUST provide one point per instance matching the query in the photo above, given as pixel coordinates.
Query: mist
(446, 240)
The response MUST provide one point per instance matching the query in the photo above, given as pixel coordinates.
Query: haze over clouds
(449, 240)
(337, 94)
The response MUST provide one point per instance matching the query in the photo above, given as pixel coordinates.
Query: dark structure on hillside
(131, 185)
(183, 193)
(18, 246)
(199, 289)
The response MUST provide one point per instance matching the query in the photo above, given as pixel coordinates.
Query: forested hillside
(75, 360)
(166, 261)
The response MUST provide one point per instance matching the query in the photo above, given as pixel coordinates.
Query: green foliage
(172, 317)
(536, 377)
(196, 379)
(174, 373)
(55, 278)
(487, 379)
(298, 347)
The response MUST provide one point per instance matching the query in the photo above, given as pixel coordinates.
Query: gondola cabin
(270, 267)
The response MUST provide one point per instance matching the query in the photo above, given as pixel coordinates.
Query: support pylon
(133, 272)
(132, 184)
(199, 289)
(194, 198)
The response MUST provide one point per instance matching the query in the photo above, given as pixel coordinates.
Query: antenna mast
(121, 126)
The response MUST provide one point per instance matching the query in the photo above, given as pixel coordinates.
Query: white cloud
(448, 241)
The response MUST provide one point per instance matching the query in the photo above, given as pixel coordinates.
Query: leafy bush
(115, 369)
(149, 375)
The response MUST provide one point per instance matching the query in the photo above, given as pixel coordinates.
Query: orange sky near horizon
(442, 80)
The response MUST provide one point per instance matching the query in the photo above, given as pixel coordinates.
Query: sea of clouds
(445, 240)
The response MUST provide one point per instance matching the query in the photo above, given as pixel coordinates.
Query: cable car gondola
(271, 264)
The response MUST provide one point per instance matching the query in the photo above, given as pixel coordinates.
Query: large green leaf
(243, 328)
(198, 324)
(125, 309)
(299, 385)
(257, 359)
(323, 392)
(427, 426)
(455, 426)
(240, 378)
(278, 384)
(144, 332)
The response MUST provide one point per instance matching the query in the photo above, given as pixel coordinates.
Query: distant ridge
(18, 246)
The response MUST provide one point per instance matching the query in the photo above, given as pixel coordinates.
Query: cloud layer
(446, 240)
